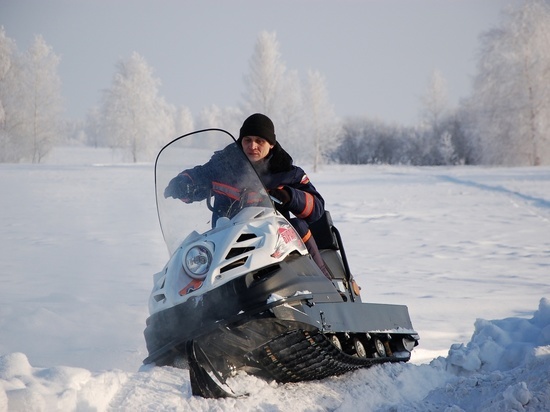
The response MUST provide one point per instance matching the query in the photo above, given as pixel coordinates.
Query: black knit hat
(258, 125)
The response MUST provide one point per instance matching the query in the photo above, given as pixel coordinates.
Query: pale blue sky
(376, 55)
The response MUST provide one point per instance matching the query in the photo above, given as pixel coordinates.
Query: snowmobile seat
(330, 245)
(322, 231)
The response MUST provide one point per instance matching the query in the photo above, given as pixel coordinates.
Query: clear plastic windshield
(219, 182)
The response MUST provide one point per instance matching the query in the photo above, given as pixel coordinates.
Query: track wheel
(336, 342)
(359, 348)
(379, 347)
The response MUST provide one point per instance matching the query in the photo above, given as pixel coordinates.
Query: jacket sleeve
(305, 201)
(203, 176)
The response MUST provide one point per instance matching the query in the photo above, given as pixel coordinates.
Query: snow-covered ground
(467, 249)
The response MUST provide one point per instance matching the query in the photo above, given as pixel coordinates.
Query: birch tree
(8, 98)
(435, 104)
(264, 80)
(436, 115)
(510, 106)
(323, 125)
(134, 117)
(270, 90)
(184, 121)
(30, 100)
(303, 118)
(229, 118)
(42, 104)
(290, 127)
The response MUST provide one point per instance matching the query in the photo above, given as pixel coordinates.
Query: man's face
(255, 148)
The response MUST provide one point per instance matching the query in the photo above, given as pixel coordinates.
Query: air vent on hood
(246, 236)
(236, 251)
(234, 264)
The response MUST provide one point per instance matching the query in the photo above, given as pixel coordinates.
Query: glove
(281, 194)
(180, 187)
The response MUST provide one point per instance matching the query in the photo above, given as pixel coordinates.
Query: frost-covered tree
(228, 118)
(435, 104)
(270, 90)
(305, 123)
(289, 126)
(184, 121)
(30, 100)
(352, 149)
(42, 104)
(436, 116)
(9, 90)
(93, 128)
(510, 105)
(134, 117)
(367, 141)
(301, 114)
(324, 126)
(371, 141)
(263, 83)
(75, 133)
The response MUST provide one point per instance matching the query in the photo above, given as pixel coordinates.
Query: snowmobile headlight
(197, 262)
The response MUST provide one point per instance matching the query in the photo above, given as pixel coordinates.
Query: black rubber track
(302, 355)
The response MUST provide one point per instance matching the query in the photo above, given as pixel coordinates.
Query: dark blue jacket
(223, 173)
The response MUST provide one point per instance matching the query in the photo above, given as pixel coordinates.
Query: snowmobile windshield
(200, 178)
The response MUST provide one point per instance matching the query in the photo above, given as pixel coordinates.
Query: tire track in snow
(537, 202)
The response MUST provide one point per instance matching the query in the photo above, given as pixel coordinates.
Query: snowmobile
(241, 293)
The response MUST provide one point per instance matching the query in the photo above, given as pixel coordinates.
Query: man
(287, 183)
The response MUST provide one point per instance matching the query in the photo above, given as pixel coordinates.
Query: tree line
(505, 121)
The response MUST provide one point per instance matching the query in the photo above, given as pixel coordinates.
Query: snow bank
(505, 366)
(59, 388)
(503, 344)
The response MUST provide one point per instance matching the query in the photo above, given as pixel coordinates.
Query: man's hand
(180, 187)
(281, 194)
